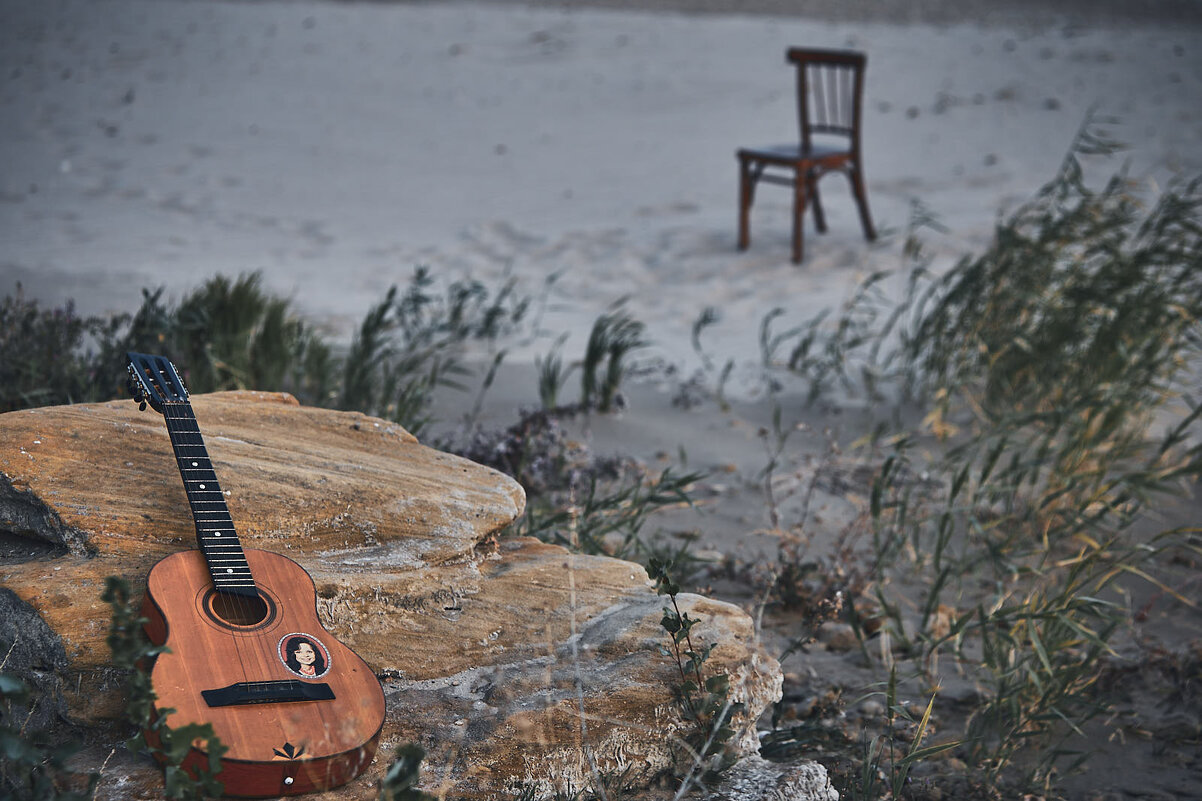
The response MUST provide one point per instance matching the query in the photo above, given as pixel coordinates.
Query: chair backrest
(830, 88)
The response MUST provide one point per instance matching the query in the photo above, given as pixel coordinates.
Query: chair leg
(744, 204)
(819, 217)
(857, 189)
(799, 210)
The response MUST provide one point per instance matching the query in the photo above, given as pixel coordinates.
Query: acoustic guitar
(298, 710)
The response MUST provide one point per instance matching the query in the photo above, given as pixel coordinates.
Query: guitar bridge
(267, 692)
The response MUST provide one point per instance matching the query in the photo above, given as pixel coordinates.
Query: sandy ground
(335, 146)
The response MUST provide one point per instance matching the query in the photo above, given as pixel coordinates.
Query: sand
(335, 146)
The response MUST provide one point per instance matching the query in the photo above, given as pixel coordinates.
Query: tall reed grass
(1056, 372)
(230, 333)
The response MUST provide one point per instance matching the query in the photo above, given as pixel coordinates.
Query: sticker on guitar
(304, 655)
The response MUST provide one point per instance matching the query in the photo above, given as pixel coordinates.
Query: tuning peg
(141, 405)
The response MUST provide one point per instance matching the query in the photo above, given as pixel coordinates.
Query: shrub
(231, 334)
(1043, 365)
(48, 356)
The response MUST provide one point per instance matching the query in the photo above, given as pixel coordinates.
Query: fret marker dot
(194, 464)
(229, 570)
(216, 533)
(202, 486)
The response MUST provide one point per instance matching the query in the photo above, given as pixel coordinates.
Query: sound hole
(238, 610)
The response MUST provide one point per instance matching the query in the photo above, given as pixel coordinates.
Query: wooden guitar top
(269, 677)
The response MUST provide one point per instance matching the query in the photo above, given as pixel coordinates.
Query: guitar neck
(215, 532)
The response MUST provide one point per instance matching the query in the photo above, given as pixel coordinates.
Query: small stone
(756, 779)
(872, 708)
(837, 637)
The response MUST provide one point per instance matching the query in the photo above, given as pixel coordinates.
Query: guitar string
(244, 607)
(267, 650)
(247, 608)
(175, 415)
(183, 413)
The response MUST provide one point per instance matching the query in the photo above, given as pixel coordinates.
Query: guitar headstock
(153, 380)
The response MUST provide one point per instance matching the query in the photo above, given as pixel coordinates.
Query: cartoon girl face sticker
(304, 655)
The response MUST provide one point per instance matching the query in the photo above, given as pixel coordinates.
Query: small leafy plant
(34, 766)
(132, 652)
(705, 701)
(606, 517)
(399, 782)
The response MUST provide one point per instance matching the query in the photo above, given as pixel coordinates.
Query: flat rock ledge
(516, 664)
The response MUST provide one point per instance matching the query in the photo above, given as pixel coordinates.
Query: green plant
(132, 652)
(33, 764)
(399, 782)
(850, 353)
(552, 375)
(614, 336)
(708, 317)
(46, 356)
(227, 334)
(882, 750)
(814, 587)
(590, 504)
(705, 701)
(412, 343)
(606, 517)
(1048, 465)
(1041, 363)
(231, 334)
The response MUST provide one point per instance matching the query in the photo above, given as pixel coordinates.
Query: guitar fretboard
(214, 527)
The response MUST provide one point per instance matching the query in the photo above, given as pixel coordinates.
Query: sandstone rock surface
(515, 664)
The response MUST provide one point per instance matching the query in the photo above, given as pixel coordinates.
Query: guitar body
(260, 671)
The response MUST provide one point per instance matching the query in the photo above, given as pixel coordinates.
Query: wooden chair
(830, 88)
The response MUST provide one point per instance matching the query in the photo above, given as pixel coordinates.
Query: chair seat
(794, 154)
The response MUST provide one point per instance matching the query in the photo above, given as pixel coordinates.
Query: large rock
(516, 664)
